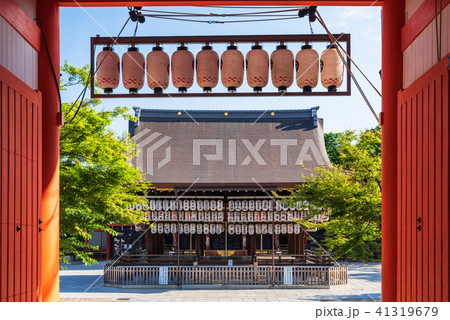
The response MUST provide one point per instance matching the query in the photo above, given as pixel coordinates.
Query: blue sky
(339, 113)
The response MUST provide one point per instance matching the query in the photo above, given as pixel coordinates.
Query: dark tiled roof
(228, 148)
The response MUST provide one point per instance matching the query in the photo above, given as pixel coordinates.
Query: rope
(334, 41)
(219, 14)
(220, 22)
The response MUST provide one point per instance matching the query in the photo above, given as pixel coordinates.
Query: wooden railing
(300, 276)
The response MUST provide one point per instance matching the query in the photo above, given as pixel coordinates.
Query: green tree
(350, 192)
(96, 179)
(332, 146)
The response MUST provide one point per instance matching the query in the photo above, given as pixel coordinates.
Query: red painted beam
(121, 3)
(19, 20)
(392, 73)
(419, 21)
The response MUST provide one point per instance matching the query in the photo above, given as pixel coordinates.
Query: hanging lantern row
(188, 228)
(206, 228)
(263, 216)
(262, 205)
(185, 216)
(158, 66)
(251, 229)
(185, 205)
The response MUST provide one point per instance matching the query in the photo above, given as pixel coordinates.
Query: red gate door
(423, 188)
(20, 206)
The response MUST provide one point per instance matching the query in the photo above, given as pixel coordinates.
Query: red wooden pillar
(392, 71)
(48, 13)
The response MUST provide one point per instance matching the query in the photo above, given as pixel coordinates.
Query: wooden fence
(298, 276)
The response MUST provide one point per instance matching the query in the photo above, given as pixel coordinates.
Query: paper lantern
(257, 64)
(167, 228)
(244, 205)
(186, 205)
(251, 205)
(307, 68)
(237, 229)
(199, 228)
(219, 205)
(237, 205)
(243, 216)
(108, 70)
(264, 228)
(173, 205)
(206, 228)
(230, 229)
(237, 216)
(251, 229)
(258, 205)
(192, 204)
(182, 68)
(206, 205)
(331, 69)
(152, 205)
(165, 205)
(186, 228)
(212, 228)
(244, 229)
(207, 68)
(133, 69)
(213, 205)
(160, 228)
(192, 228)
(231, 205)
(232, 68)
(199, 205)
(158, 69)
(154, 228)
(297, 229)
(265, 205)
(282, 67)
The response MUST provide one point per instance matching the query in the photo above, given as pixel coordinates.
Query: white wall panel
(17, 55)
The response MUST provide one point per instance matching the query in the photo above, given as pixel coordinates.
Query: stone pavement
(84, 283)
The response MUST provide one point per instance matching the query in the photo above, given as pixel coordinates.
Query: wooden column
(393, 16)
(48, 13)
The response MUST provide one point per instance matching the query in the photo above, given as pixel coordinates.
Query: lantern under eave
(307, 66)
(232, 68)
(108, 70)
(207, 68)
(257, 63)
(133, 70)
(332, 69)
(158, 69)
(282, 66)
(182, 68)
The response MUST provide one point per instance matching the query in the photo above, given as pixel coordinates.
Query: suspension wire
(334, 41)
(251, 7)
(95, 71)
(215, 15)
(220, 22)
(220, 14)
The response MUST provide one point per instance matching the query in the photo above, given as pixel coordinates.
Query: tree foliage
(351, 193)
(97, 182)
